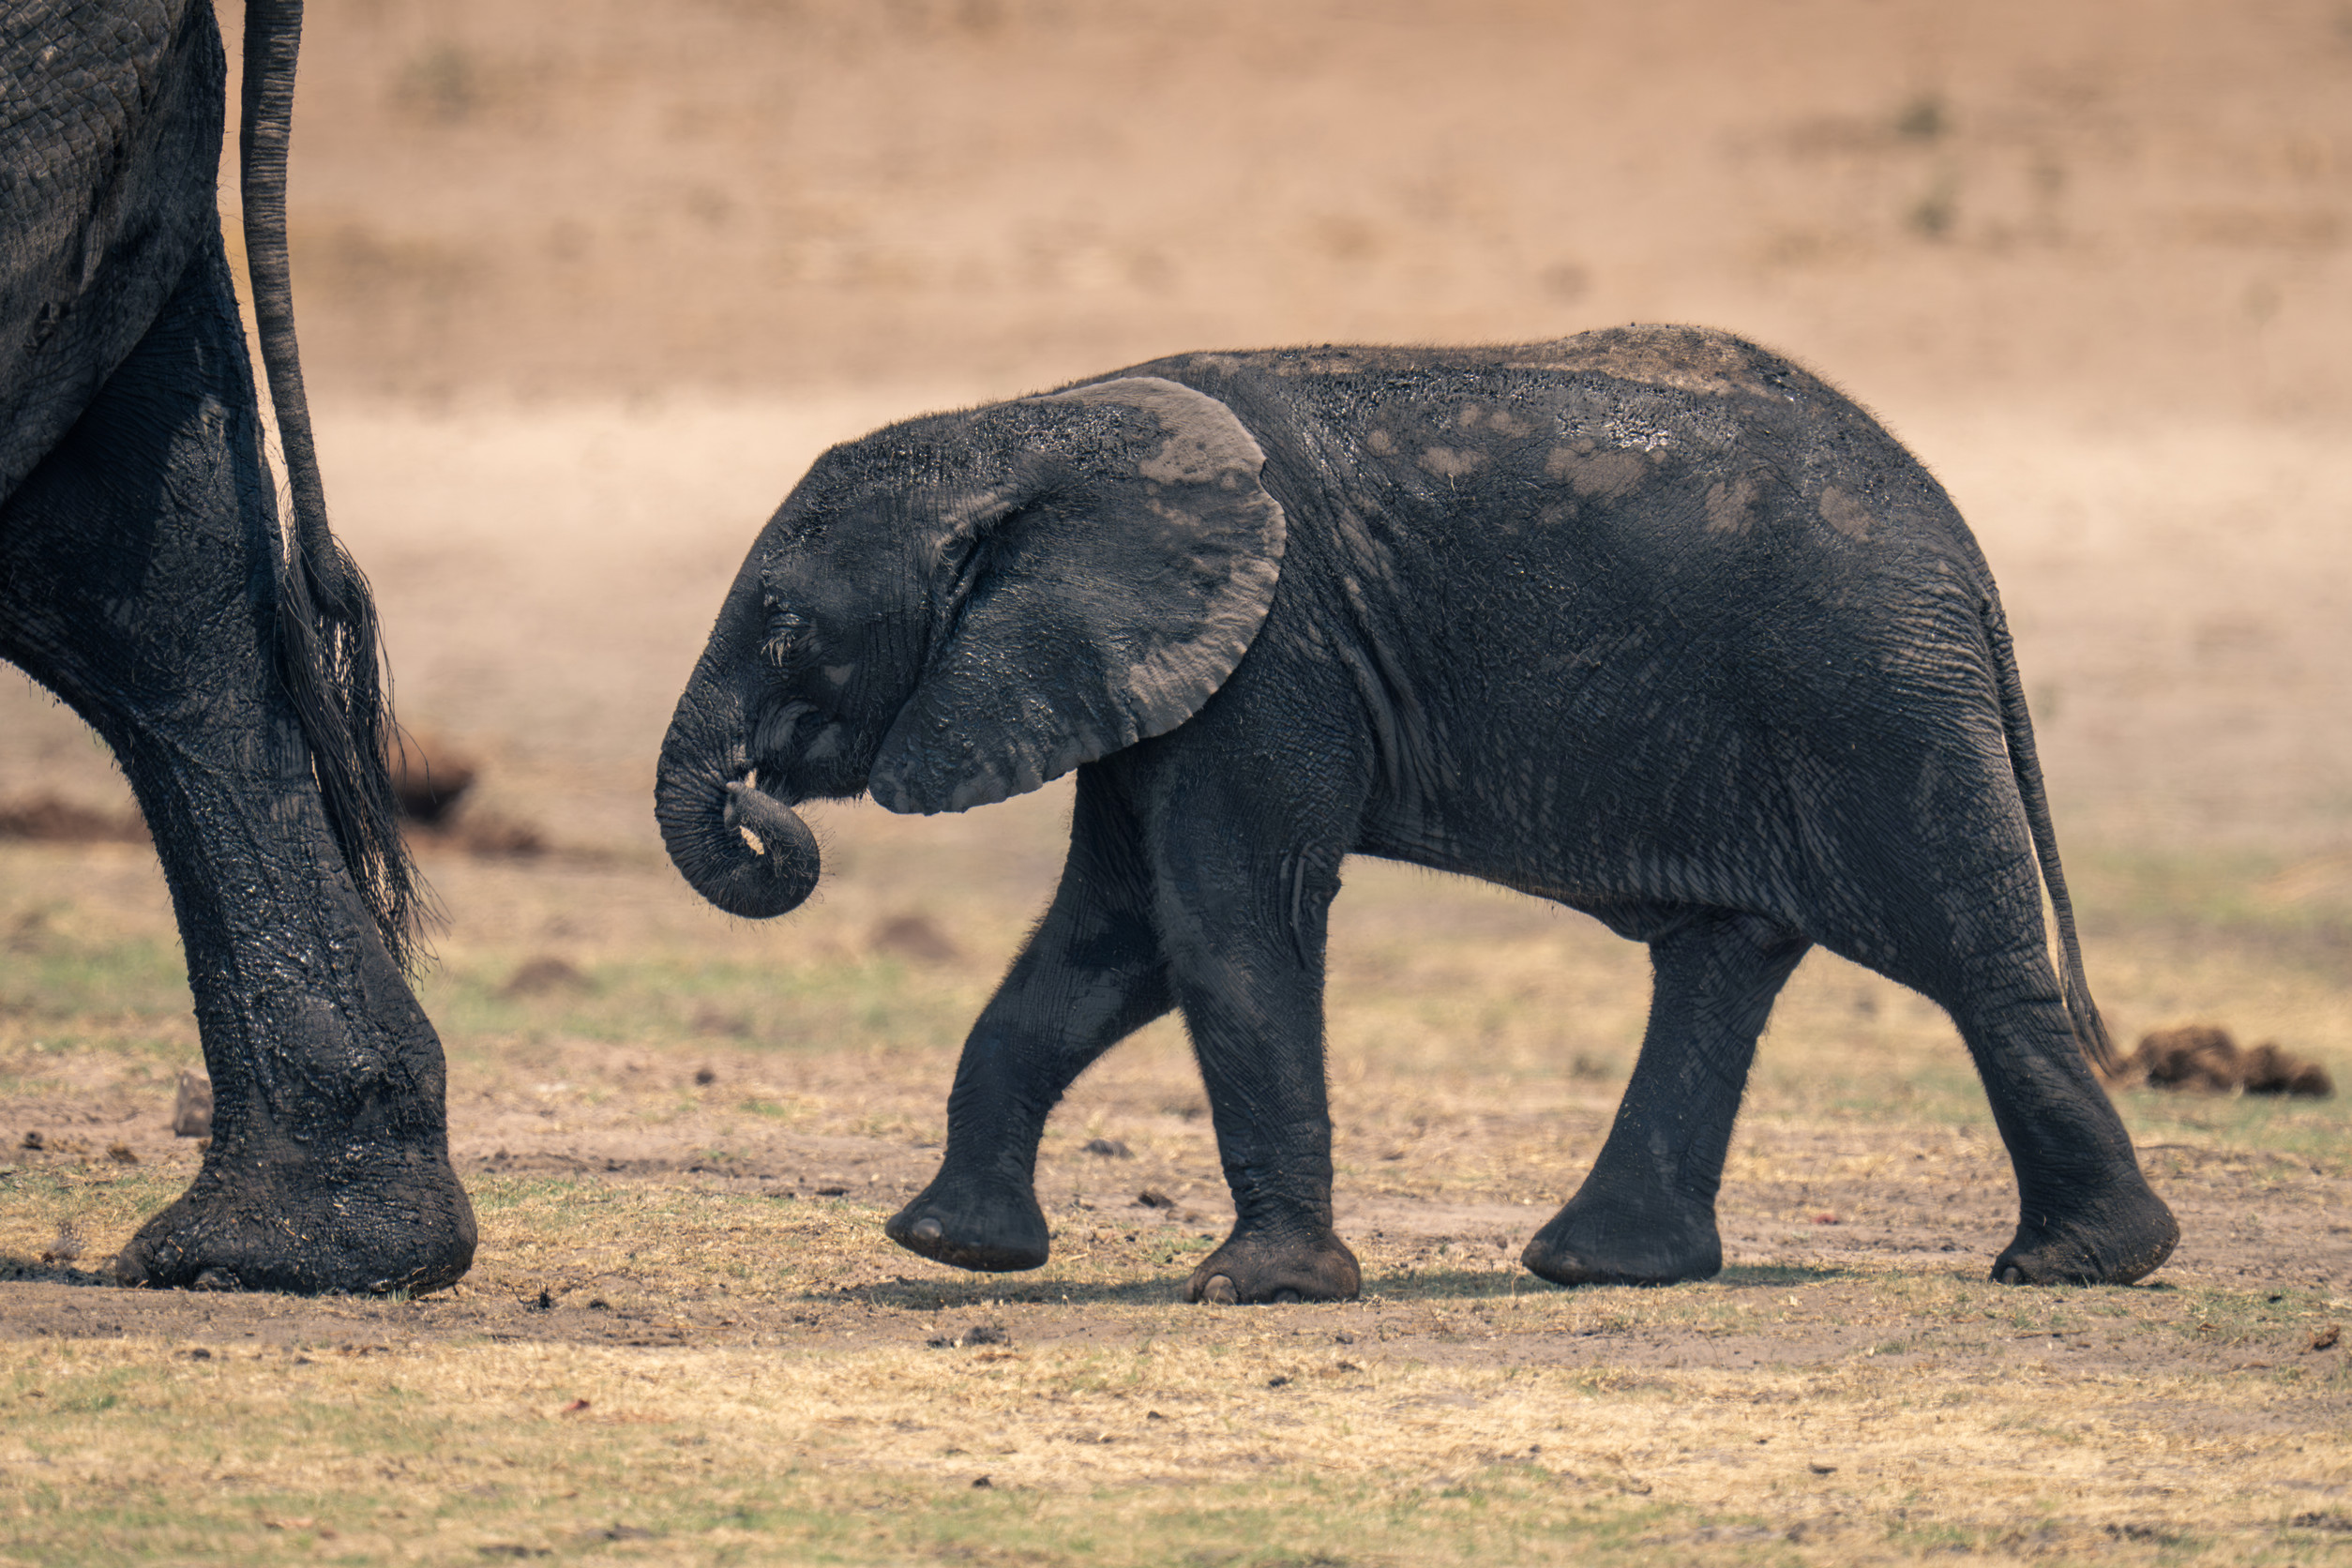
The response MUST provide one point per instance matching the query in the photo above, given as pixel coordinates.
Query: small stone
(192, 1107)
(983, 1484)
(120, 1154)
(1108, 1148)
(2327, 1338)
(32, 1141)
(1152, 1197)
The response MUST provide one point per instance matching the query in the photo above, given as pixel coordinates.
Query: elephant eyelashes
(785, 632)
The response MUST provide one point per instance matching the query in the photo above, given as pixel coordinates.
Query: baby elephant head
(960, 608)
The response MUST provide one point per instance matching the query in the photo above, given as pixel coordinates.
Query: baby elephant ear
(1099, 608)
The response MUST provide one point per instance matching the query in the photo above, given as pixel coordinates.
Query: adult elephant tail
(2091, 1030)
(329, 653)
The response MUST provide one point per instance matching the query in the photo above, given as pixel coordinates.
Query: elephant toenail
(928, 1231)
(1284, 1296)
(1219, 1291)
(2011, 1276)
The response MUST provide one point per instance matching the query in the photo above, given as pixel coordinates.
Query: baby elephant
(1649, 622)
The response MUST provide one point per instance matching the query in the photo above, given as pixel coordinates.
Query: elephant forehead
(1204, 441)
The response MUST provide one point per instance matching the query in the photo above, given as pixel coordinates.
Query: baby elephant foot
(1593, 1241)
(1257, 1268)
(992, 1231)
(2118, 1242)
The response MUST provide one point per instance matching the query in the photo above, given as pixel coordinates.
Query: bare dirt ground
(583, 293)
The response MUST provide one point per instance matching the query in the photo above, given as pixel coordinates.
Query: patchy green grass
(715, 1363)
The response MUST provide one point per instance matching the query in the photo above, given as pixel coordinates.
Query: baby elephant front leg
(1090, 976)
(1252, 992)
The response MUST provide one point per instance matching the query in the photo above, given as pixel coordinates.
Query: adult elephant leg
(138, 572)
(1646, 1213)
(1089, 976)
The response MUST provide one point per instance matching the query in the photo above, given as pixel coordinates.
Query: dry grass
(1438, 1421)
(648, 1144)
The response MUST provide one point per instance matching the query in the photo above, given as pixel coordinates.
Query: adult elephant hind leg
(1645, 1212)
(139, 566)
(1089, 975)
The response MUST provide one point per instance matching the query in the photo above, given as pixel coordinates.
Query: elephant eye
(785, 632)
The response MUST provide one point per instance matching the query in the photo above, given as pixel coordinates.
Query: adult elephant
(1649, 622)
(231, 665)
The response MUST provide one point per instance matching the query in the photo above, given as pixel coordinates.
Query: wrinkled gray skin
(144, 580)
(1647, 622)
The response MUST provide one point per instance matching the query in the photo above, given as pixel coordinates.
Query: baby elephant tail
(2091, 1030)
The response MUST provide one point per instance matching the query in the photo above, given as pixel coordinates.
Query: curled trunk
(740, 847)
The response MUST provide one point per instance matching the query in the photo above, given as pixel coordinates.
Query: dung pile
(429, 781)
(49, 819)
(2203, 1057)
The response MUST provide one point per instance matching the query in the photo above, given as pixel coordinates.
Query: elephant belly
(1599, 833)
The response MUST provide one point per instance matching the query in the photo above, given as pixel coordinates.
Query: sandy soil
(2135, 209)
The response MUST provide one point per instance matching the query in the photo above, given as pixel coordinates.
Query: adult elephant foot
(2118, 1240)
(1255, 1268)
(966, 1226)
(367, 1227)
(1662, 1241)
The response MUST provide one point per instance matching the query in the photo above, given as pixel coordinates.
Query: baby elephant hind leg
(2086, 1214)
(1972, 940)
(1090, 976)
(1646, 1214)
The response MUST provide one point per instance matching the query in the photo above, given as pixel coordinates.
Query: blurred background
(582, 288)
